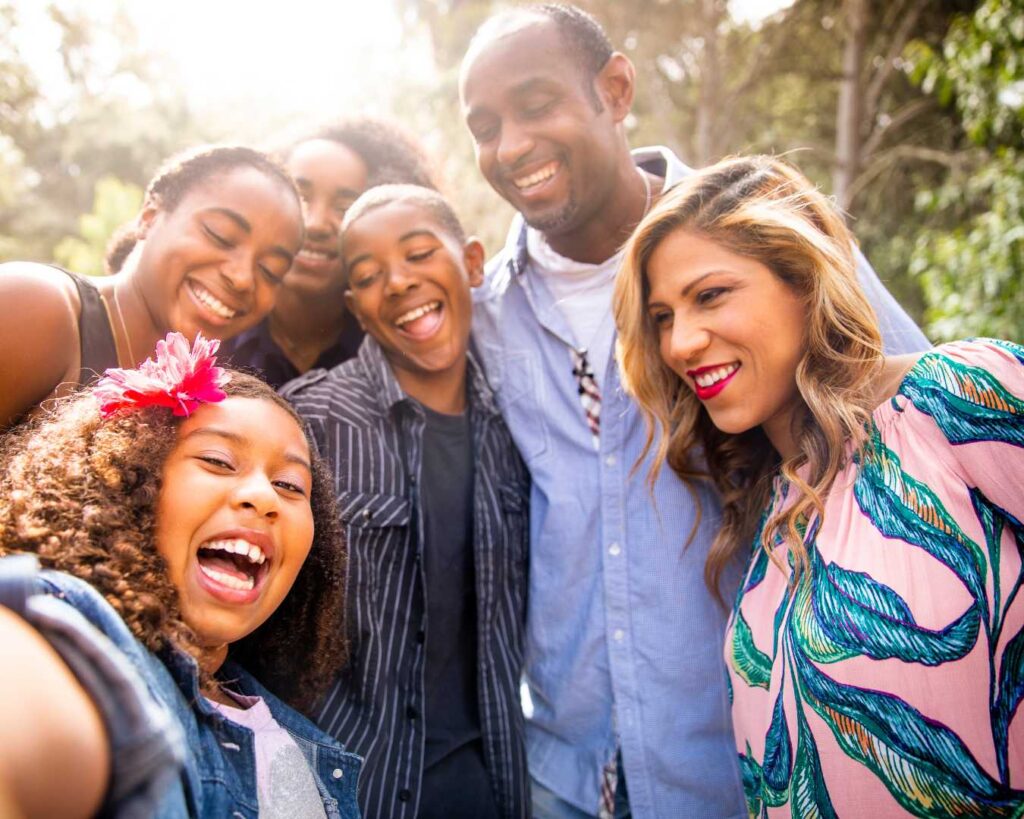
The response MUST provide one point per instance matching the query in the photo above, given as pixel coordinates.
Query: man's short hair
(586, 38)
(587, 43)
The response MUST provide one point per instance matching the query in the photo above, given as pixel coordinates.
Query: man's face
(540, 138)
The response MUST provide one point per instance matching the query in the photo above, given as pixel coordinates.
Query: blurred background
(910, 113)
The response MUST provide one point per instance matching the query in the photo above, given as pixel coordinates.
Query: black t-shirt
(455, 780)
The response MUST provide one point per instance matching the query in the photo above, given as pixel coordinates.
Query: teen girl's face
(234, 521)
(330, 178)
(214, 263)
(731, 329)
(409, 286)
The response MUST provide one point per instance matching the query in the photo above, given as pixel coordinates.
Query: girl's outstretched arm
(54, 752)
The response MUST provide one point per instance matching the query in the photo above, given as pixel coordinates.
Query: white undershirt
(583, 294)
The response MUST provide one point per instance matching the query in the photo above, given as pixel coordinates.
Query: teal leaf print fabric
(888, 680)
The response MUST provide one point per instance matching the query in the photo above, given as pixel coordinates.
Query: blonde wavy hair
(761, 208)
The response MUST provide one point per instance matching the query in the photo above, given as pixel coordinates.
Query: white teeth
(315, 254)
(211, 301)
(537, 177)
(716, 375)
(228, 580)
(251, 551)
(415, 313)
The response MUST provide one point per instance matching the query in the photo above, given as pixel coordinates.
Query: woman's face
(330, 178)
(214, 262)
(731, 329)
(234, 521)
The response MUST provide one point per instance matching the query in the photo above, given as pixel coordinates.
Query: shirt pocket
(378, 537)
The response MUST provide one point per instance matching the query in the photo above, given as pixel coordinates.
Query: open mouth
(709, 381)
(315, 257)
(233, 565)
(530, 182)
(421, 322)
(214, 305)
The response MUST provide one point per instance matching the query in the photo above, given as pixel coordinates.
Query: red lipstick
(710, 391)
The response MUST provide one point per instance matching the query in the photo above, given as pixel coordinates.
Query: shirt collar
(385, 385)
(656, 159)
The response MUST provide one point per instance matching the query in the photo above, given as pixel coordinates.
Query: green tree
(105, 110)
(115, 202)
(971, 260)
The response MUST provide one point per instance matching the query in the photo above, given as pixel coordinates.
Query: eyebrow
(243, 223)
(411, 234)
(525, 87)
(686, 290)
(235, 438)
(532, 84)
(351, 193)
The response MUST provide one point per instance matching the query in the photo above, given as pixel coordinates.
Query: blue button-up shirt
(624, 640)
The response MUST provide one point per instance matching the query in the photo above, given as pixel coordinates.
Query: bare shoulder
(39, 348)
(890, 377)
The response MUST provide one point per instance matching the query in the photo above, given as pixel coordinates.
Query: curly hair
(391, 155)
(179, 175)
(761, 208)
(81, 493)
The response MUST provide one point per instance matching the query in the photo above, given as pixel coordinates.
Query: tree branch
(900, 118)
(896, 46)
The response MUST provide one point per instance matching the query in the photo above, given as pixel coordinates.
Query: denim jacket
(172, 753)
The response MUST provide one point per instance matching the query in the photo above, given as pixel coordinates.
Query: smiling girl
(187, 531)
(874, 646)
(218, 230)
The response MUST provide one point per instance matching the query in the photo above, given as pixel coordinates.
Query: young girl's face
(214, 263)
(234, 520)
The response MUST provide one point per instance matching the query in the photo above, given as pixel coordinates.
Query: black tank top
(95, 336)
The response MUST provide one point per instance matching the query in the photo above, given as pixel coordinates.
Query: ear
(473, 257)
(616, 85)
(350, 303)
(147, 216)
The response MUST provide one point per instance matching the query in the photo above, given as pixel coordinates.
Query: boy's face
(409, 285)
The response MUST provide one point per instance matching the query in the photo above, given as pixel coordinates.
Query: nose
(254, 492)
(687, 340)
(239, 273)
(320, 220)
(514, 143)
(399, 280)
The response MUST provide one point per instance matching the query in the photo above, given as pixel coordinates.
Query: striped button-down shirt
(371, 434)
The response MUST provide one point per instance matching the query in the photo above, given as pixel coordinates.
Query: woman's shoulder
(39, 307)
(963, 392)
(987, 374)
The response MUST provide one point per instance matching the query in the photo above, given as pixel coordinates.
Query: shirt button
(618, 635)
(421, 635)
(615, 550)
(337, 773)
(411, 712)
(404, 795)
(367, 514)
(610, 460)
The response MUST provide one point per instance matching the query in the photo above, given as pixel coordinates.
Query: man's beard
(554, 221)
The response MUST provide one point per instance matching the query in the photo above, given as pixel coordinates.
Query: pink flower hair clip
(178, 378)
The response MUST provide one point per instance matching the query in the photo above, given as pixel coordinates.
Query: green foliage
(971, 260)
(102, 107)
(115, 203)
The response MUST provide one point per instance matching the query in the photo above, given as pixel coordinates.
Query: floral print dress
(888, 683)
